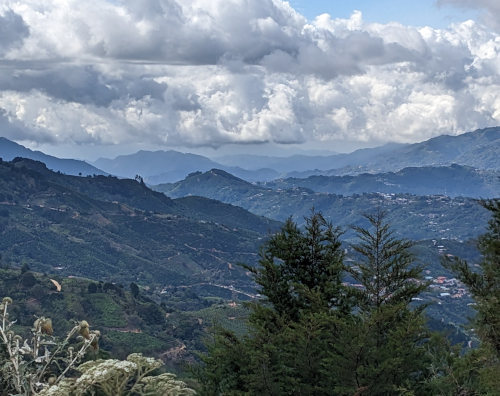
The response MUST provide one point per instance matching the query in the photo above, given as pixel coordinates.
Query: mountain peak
(10, 150)
(217, 176)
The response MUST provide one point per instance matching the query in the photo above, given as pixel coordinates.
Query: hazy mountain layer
(478, 149)
(454, 180)
(169, 166)
(301, 163)
(10, 150)
(414, 217)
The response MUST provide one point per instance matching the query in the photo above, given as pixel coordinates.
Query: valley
(182, 243)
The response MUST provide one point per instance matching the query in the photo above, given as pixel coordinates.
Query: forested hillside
(127, 318)
(184, 254)
(110, 229)
(416, 217)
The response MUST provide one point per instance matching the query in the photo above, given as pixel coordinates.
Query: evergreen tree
(484, 285)
(387, 270)
(311, 334)
(300, 275)
(296, 265)
(383, 353)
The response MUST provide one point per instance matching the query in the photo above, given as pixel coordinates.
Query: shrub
(120, 377)
(29, 365)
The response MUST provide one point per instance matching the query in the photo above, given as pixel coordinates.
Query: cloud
(168, 31)
(13, 30)
(196, 32)
(209, 73)
(491, 9)
(12, 128)
(83, 84)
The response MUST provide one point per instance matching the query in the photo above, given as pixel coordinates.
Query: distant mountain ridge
(155, 163)
(303, 163)
(454, 180)
(479, 149)
(169, 166)
(10, 150)
(414, 217)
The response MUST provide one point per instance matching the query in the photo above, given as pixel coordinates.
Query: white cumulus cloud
(491, 9)
(209, 73)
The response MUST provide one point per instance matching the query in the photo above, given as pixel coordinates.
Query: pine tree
(295, 265)
(484, 285)
(300, 277)
(387, 269)
(313, 335)
(384, 353)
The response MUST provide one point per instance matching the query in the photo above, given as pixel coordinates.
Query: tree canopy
(313, 333)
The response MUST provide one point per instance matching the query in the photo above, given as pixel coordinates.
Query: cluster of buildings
(447, 287)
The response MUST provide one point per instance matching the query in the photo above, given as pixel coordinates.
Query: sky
(407, 12)
(99, 78)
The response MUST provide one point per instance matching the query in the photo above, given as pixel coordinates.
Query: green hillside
(415, 217)
(119, 230)
(185, 251)
(112, 309)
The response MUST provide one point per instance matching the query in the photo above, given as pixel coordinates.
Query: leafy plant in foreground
(33, 364)
(111, 377)
(43, 366)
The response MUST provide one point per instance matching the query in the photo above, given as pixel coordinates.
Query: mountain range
(342, 199)
(478, 149)
(454, 180)
(186, 246)
(168, 166)
(10, 150)
(304, 163)
(412, 216)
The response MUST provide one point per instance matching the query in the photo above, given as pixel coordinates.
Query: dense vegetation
(41, 364)
(315, 335)
(130, 322)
